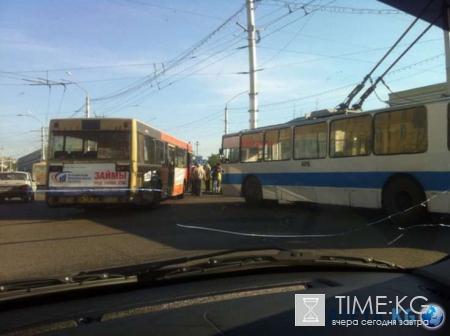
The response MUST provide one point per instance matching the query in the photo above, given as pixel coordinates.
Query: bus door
(188, 165)
(171, 167)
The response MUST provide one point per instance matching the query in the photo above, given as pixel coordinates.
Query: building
(419, 94)
(25, 163)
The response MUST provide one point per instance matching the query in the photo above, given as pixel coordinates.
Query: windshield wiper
(217, 261)
(28, 285)
(222, 260)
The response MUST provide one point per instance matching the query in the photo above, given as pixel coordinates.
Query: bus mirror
(220, 151)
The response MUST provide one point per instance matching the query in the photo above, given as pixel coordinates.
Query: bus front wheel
(253, 192)
(403, 199)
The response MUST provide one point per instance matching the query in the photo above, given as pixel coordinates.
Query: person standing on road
(207, 169)
(217, 178)
(199, 175)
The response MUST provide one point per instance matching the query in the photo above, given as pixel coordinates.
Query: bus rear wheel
(401, 194)
(253, 192)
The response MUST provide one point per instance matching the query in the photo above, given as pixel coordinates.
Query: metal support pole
(252, 62)
(87, 107)
(42, 143)
(196, 146)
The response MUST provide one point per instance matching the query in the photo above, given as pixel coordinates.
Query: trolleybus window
(351, 136)
(401, 132)
(231, 149)
(252, 147)
(277, 145)
(310, 141)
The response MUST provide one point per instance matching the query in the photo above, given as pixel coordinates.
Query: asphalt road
(36, 241)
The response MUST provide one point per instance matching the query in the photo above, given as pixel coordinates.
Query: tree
(213, 159)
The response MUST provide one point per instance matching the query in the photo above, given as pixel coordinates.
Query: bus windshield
(90, 144)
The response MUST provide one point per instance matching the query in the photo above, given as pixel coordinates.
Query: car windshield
(13, 177)
(153, 130)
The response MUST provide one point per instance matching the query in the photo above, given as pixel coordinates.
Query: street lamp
(31, 115)
(85, 91)
(226, 110)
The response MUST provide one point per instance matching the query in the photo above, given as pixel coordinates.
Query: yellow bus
(111, 161)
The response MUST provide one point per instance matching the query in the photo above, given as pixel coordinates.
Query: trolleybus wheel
(253, 192)
(401, 194)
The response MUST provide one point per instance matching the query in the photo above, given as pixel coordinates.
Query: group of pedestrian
(211, 176)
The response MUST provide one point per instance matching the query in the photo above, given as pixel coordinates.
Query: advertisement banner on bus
(89, 175)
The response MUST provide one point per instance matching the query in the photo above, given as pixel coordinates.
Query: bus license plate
(88, 199)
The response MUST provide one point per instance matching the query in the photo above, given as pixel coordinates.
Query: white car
(17, 184)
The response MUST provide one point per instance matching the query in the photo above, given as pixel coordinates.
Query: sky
(176, 63)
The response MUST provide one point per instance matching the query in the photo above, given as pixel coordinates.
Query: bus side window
(160, 153)
(252, 147)
(351, 136)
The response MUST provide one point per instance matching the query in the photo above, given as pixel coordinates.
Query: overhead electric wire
(158, 84)
(123, 65)
(213, 115)
(344, 10)
(177, 61)
(61, 101)
(174, 9)
(289, 42)
(209, 50)
(162, 81)
(364, 96)
(171, 83)
(360, 86)
(293, 21)
(337, 56)
(126, 99)
(146, 81)
(285, 15)
(289, 101)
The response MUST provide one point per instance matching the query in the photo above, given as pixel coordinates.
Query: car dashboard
(246, 303)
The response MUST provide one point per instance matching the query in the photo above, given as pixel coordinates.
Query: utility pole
(31, 115)
(251, 30)
(196, 148)
(42, 143)
(2, 164)
(87, 111)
